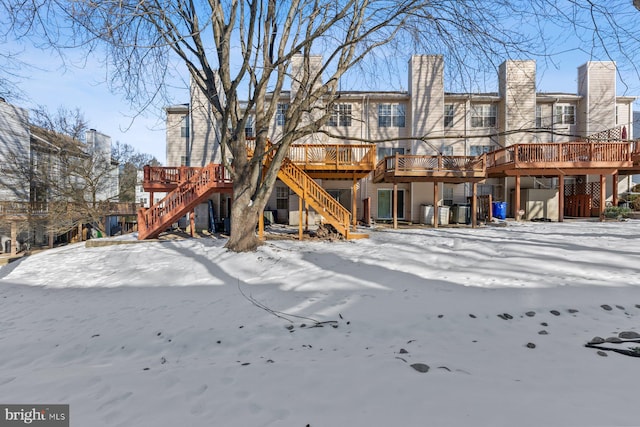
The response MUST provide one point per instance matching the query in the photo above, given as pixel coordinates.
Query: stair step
(353, 236)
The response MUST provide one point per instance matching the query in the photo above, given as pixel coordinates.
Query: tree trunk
(244, 218)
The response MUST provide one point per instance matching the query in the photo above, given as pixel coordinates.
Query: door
(385, 204)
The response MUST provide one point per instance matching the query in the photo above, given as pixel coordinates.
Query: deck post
(474, 204)
(192, 222)
(354, 203)
(14, 238)
(615, 189)
(150, 198)
(395, 205)
(51, 239)
(560, 198)
(80, 232)
(436, 199)
(261, 225)
(603, 194)
(516, 202)
(299, 218)
(306, 215)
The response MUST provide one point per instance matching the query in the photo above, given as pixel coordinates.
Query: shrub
(617, 212)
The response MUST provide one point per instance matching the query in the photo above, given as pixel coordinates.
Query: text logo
(34, 415)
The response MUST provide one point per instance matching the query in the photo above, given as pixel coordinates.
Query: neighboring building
(453, 124)
(33, 160)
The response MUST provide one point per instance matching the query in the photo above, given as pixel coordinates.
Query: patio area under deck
(559, 160)
(436, 169)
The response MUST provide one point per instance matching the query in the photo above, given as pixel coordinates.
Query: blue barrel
(499, 210)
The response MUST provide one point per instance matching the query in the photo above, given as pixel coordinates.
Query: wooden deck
(554, 159)
(166, 178)
(451, 169)
(334, 161)
(22, 210)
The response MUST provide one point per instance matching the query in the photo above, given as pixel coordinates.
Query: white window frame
(564, 114)
(281, 113)
(484, 115)
(479, 149)
(340, 115)
(391, 115)
(248, 127)
(449, 114)
(383, 152)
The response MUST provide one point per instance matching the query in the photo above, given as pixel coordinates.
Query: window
(281, 114)
(565, 114)
(446, 150)
(248, 127)
(478, 150)
(184, 127)
(449, 111)
(447, 194)
(340, 115)
(617, 115)
(184, 161)
(538, 116)
(391, 115)
(342, 196)
(143, 201)
(385, 152)
(484, 116)
(282, 198)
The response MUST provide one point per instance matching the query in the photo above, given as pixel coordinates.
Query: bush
(617, 212)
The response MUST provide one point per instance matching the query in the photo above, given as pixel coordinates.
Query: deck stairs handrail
(317, 197)
(188, 194)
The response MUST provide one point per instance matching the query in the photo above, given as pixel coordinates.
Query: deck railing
(400, 164)
(561, 152)
(44, 208)
(168, 175)
(333, 155)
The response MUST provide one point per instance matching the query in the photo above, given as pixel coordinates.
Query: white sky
(160, 334)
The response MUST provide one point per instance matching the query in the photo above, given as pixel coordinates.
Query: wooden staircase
(200, 183)
(188, 194)
(318, 198)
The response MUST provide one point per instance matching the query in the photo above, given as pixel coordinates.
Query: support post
(354, 203)
(516, 202)
(603, 195)
(299, 218)
(261, 225)
(436, 200)
(80, 232)
(14, 238)
(395, 205)
(560, 198)
(474, 205)
(306, 215)
(615, 189)
(192, 222)
(51, 239)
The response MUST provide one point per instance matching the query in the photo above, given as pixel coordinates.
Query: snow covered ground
(183, 333)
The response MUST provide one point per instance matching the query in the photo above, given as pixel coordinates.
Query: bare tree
(130, 162)
(241, 54)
